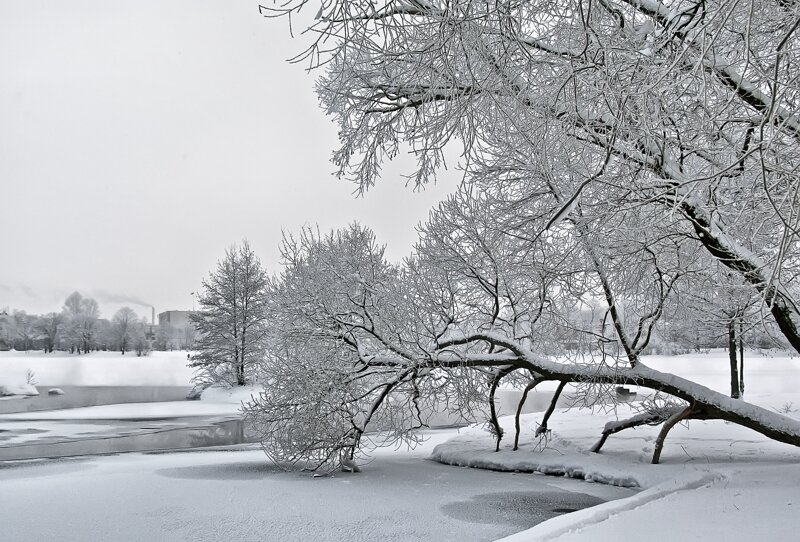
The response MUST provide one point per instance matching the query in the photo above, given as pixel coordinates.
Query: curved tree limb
(647, 418)
(669, 424)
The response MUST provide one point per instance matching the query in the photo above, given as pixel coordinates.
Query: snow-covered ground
(96, 368)
(766, 372)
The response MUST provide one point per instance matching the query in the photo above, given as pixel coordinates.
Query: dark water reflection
(521, 509)
(84, 396)
(222, 433)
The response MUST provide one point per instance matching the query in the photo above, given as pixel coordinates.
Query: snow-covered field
(766, 372)
(96, 368)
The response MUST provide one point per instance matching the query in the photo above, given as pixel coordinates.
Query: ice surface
(239, 496)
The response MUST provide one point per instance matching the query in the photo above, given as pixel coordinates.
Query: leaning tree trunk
(722, 247)
(706, 403)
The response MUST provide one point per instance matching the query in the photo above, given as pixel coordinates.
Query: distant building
(179, 319)
(176, 330)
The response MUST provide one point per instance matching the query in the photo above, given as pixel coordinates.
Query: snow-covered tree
(124, 326)
(612, 104)
(81, 314)
(622, 136)
(138, 338)
(334, 296)
(25, 330)
(49, 329)
(232, 319)
(8, 328)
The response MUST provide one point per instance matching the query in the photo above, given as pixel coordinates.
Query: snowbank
(16, 388)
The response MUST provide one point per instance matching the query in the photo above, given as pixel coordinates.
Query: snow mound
(474, 448)
(55, 391)
(18, 389)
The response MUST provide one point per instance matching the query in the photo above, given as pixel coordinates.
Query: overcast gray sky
(138, 139)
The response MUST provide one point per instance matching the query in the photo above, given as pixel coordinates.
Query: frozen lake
(232, 491)
(116, 436)
(239, 495)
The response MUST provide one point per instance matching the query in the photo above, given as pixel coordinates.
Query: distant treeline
(78, 328)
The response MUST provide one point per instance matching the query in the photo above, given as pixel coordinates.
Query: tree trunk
(242, 352)
(543, 427)
(741, 359)
(496, 427)
(780, 303)
(662, 435)
(528, 388)
(732, 348)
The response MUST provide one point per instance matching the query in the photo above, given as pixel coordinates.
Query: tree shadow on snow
(224, 471)
(38, 468)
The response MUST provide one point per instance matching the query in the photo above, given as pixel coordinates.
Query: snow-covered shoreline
(733, 465)
(716, 480)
